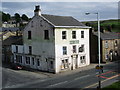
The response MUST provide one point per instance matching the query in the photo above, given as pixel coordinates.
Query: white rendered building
(53, 43)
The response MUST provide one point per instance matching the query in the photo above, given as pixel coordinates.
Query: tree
(0, 16)
(24, 17)
(109, 28)
(5, 17)
(87, 24)
(113, 26)
(8, 16)
(101, 29)
(17, 17)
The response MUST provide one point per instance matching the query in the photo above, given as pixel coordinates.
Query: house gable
(37, 26)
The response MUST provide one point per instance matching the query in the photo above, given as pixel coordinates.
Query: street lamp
(98, 43)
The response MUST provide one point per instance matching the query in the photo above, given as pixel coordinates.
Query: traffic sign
(99, 67)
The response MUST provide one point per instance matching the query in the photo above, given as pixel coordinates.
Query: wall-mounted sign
(74, 42)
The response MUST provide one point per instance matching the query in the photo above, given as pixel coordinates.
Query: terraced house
(110, 46)
(53, 43)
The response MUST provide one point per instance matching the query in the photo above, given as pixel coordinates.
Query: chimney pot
(37, 10)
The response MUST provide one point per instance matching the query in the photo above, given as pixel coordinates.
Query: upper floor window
(106, 44)
(82, 34)
(29, 34)
(30, 49)
(16, 49)
(64, 50)
(74, 49)
(46, 34)
(115, 42)
(63, 34)
(81, 49)
(73, 34)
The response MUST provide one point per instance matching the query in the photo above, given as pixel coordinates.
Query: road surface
(84, 79)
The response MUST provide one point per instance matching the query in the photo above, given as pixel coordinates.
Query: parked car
(16, 66)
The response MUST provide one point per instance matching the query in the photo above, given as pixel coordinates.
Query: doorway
(74, 62)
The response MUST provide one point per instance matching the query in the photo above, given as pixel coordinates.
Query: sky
(107, 10)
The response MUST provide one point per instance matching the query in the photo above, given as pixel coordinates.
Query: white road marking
(57, 84)
(81, 77)
(27, 83)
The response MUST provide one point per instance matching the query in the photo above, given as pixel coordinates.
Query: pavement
(81, 69)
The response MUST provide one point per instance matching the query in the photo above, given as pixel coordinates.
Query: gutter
(72, 27)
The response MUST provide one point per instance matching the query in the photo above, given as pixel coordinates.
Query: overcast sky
(107, 10)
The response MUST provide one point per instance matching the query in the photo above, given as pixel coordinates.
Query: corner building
(53, 43)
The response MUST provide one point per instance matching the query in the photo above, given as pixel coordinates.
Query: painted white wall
(59, 43)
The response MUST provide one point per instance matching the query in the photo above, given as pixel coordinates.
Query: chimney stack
(37, 11)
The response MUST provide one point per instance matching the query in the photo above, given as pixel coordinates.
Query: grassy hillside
(109, 25)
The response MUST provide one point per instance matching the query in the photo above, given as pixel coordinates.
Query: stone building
(110, 46)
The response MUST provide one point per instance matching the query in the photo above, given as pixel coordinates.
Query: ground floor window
(106, 55)
(18, 59)
(64, 64)
(38, 62)
(82, 59)
(51, 64)
(27, 60)
(116, 53)
(33, 61)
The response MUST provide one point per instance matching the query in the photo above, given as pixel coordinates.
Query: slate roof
(13, 40)
(108, 35)
(62, 20)
(12, 29)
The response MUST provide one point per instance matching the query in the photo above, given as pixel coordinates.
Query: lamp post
(98, 44)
